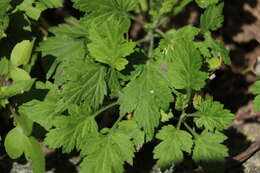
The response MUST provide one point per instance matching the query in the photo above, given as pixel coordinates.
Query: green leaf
(34, 8)
(42, 112)
(218, 49)
(86, 84)
(107, 153)
(182, 101)
(25, 123)
(68, 43)
(214, 63)
(71, 131)
(213, 48)
(4, 66)
(27, 145)
(18, 87)
(4, 18)
(183, 68)
(256, 101)
(18, 74)
(213, 116)
(73, 28)
(166, 116)
(130, 128)
(170, 150)
(206, 3)
(4, 23)
(4, 4)
(14, 137)
(101, 10)
(113, 82)
(21, 53)
(63, 47)
(208, 148)
(144, 97)
(212, 18)
(34, 153)
(108, 44)
(188, 32)
(256, 88)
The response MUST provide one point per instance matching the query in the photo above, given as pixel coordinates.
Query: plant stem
(143, 4)
(189, 92)
(190, 130)
(151, 43)
(161, 33)
(194, 115)
(103, 109)
(117, 121)
(136, 19)
(183, 115)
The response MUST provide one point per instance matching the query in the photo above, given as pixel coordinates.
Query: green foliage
(71, 131)
(212, 18)
(174, 142)
(101, 10)
(206, 3)
(68, 42)
(108, 151)
(256, 90)
(187, 62)
(212, 115)
(208, 143)
(98, 72)
(86, 84)
(34, 8)
(27, 145)
(108, 44)
(21, 53)
(213, 48)
(144, 97)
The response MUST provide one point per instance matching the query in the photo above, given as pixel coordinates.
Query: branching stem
(190, 130)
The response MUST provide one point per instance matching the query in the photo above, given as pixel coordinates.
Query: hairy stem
(104, 108)
(190, 130)
(183, 115)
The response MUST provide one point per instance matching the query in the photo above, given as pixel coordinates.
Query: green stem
(161, 33)
(117, 121)
(136, 19)
(190, 130)
(193, 115)
(103, 109)
(189, 92)
(143, 4)
(151, 44)
(183, 115)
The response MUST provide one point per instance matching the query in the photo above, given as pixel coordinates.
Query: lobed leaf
(108, 44)
(107, 153)
(213, 116)
(212, 18)
(170, 150)
(71, 131)
(85, 84)
(144, 97)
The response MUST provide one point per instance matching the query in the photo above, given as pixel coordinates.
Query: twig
(245, 155)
